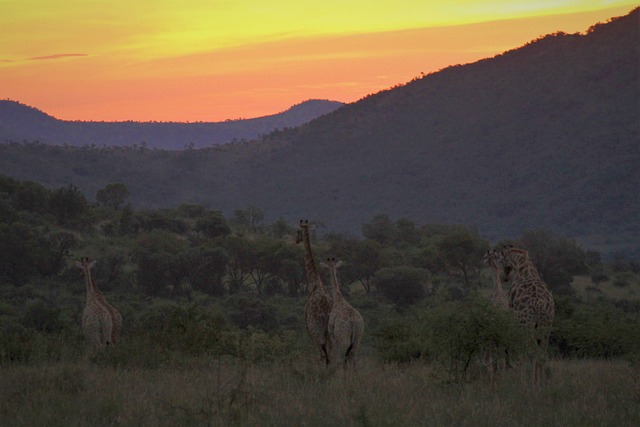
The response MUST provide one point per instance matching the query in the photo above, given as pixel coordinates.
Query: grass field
(214, 391)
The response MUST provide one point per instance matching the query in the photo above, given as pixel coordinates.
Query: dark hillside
(544, 136)
(19, 122)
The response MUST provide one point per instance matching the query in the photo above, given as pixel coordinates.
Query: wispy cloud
(56, 56)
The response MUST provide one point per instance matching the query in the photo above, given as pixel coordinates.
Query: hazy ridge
(19, 122)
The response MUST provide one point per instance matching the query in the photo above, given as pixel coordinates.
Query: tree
(366, 260)
(249, 218)
(281, 228)
(402, 285)
(157, 254)
(204, 267)
(381, 229)
(68, 204)
(462, 249)
(406, 233)
(266, 262)
(32, 197)
(242, 255)
(213, 225)
(112, 195)
(556, 258)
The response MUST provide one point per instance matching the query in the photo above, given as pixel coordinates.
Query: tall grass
(225, 391)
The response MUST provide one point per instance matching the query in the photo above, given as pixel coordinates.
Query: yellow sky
(211, 60)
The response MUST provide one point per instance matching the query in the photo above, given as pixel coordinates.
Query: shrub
(459, 333)
(402, 285)
(600, 331)
(42, 317)
(399, 342)
(454, 336)
(599, 277)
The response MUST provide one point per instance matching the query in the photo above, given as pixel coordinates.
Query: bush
(623, 280)
(454, 337)
(620, 283)
(402, 285)
(42, 317)
(599, 277)
(601, 331)
(459, 334)
(399, 342)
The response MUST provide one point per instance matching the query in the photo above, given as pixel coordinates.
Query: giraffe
(319, 302)
(530, 299)
(346, 325)
(500, 300)
(499, 297)
(101, 322)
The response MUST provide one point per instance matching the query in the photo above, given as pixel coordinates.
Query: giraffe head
(332, 263)
(493, 258)
(85, 264)
(304, 226)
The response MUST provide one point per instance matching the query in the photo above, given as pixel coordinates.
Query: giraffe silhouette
(531, 300)
(101, 322)
(319, 303)
(346, 325)
(495, 358)
(499, 297)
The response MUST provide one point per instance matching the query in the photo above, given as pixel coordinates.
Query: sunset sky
(211, 60)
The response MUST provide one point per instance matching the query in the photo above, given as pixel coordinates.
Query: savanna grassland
(213, 391)
(214, 333)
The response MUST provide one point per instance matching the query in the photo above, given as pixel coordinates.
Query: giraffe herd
(336, 327)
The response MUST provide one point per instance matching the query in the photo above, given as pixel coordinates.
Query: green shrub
(453, 336)
(459, 334)
(42, 317)
(596, 331)
(402, 285)
(399, 342)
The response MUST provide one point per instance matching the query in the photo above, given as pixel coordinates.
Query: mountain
(542, 136)
(19, 122)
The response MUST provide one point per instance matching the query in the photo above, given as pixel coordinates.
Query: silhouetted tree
(68, 204)
(381, 229)
(462, 250)
(402, 285)
(112, 195)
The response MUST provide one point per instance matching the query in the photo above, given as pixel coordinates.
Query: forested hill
(19, 122)
(543, 136)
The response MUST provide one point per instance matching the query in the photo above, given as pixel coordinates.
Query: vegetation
(223, 392)
(214, 331)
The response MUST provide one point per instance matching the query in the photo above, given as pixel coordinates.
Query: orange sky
(211, 60)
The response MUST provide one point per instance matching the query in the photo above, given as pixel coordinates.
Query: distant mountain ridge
(19, 122)
(545, 136)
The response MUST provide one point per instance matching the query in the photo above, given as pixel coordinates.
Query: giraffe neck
(336, 284)
(309, 263)
(525, 268)
(498, 295)
(93, 293)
